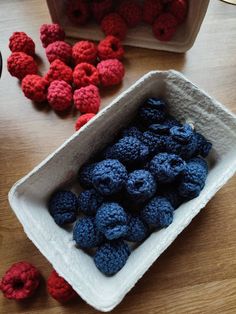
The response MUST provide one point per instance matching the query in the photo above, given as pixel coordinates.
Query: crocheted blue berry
(86, 234)
(111, 257)
(159, 129)
(182, 134)
(152, 111)
(173, 196)
(89, 201)
(166, 167)
(158, 212)
(203, 145)
(138, 229)
(63, 207)
(141, 185)
(112, 220)
(132, 131)
(155, 142)
(109, 176)
(85, 175)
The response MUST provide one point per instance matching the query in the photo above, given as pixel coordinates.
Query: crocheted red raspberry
(100, 8)
(179, 9)
(49, 33)
(84, 51)
(114, 24)
(165, 27)
(20, 64)
(20, 281)
(59, 289)
(35, 87)
(131, 12)
(111, 72)
(82, 120)
(85, 74)
(151, 10)
(87, 99)
(78, 11)
(59, 95)
(21, 42)
(110, 48)
(59, 71)
(59, 50)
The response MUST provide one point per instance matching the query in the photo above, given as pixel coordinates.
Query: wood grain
(197, 274)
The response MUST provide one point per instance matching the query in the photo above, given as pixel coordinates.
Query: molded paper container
(29, 196)
(140, 36)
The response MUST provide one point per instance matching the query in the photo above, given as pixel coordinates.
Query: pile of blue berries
(134, 186)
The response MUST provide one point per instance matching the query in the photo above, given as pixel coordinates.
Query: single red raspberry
(85, 74)
(110, 48)
(87, 99)
(151, 10)
(59, 95)
(59, 50)
(21, 42)
(100, 8)
(165, 27)
(111, 72)
(20, 64)
(131, 12)
(84, 51)
(49, 33)
(35, 87)
(59, 71)
(78, 11)
(59, 289)
(114, 24)
(82, 120)
(179, 8)
(20, 281)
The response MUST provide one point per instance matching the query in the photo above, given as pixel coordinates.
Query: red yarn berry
(85, 74)
(20, 281)
(111, 72)
(165, 27)
(21, 42)
(82, 120)
(49, 33)
(110, 48)
(59, 50)
(59, 95)
(20, 64)
(87, 99)
(151, 10)
(35, 87)
(114, 24)
(59, 71)
(179, 9)
(131, 12)
(59, 289)
(78, 11)
(100, 8)
(84, 51)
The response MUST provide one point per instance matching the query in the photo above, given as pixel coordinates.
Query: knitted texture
(111, 72)
(172, 194)
(21, 42)
(84, 51)
(112, 220)
(110, 48)
(165, 27)
(114, 24)
(35, 87)
(138, 229)
(58, 70)
(155, 142)
(49, 33)
(59, 50)
(20, 281)
(59, 95)
(83, 119)
(159, 129)
(132, 131)
(89, 201)
(87, 99)
(151, 10)
(179, 8)
(20, 64)
(78, 11)
(109, 176)
(59, 289)
(152, 111)
(203, 145)
(86, 234)
(63, 207)
(100, 8)
(111, 257)
(85, 74)
(85, 175)
(131, 12)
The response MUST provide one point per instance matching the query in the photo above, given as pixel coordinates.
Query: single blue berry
(89, 201)
(132, 131)
(155, 142)
(203, 145)
(138, 229)
(182, 134)
(85, 175)
(152, 111)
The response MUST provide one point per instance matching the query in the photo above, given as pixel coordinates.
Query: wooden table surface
(197, 274)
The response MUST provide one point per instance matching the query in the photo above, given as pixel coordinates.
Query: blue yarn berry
(172, 194)
(182, 134)
(159, 129)
(111, 257)
(89, 201)
(141, 185)
(109, 176)
(132, 131)
(152, 111)
(155, 142)
(85, 175)
(63, 207)
(158, 212)
(138, 229)
(203, 145)
(112, 220)
(189, 190)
